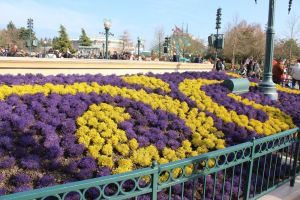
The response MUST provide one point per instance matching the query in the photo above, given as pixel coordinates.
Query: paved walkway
(285, 192)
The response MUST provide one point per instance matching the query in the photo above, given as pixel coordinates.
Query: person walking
(296, 74)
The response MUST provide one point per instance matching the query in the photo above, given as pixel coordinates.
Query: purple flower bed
(39, 148)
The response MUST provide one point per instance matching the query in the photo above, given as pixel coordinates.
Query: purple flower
(68, 127)
(143, 141)
(7, 162)
(22, 188)
(72, 167)
(6, 142)
(31, 162)
(84, 174)
(54, 152)
(45, 181)
(87, 163)
(160, 145)
(26, 140)
(3, 191)
(92, 193)
(53, 165)
(103, 171)
(20, 179)
(75, 150)
(174, 144)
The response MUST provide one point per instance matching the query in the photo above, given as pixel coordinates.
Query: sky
(140, 17)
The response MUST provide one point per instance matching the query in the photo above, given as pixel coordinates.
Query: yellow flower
(125, 165)
(133, 144)
(169, 154)
(81, 121)
(105, 161)
(123, 149)
(107, 149)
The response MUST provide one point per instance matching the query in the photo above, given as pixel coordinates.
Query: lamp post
(166, 46)
(107, 26)
(139, 44)
(103, 52)
(218, 26)
(30, 27)
(45, 42)
(267, 86)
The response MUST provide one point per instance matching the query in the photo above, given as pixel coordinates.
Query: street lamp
(30, 27)
(45, 42)
(267, 86)
(139, 44)
(103, 46)
(107, 26)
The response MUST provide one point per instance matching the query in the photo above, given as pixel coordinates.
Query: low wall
(11, 65)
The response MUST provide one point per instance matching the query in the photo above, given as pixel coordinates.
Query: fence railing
(245, 171)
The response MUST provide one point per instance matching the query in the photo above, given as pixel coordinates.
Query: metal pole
(106, 42)
(103, 51)
(267, 86)
(30, 26)
(139, 43)
(30, 42)
(216, 48)
(44, 49)
(159, 54)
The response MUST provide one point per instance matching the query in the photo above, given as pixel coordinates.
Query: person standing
(277, 72)
(257, 70)
(296, 74)
(218, 65)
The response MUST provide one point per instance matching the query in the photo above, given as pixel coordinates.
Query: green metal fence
(245, 171)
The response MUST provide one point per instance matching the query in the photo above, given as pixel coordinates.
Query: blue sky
(140, 17)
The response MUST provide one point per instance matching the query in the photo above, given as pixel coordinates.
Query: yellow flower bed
(147, 81)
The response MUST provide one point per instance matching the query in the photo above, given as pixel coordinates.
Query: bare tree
(232, 35)
(243, 40)
(158, 40)
(293, 28)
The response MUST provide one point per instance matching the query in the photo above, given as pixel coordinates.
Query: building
(97, 49)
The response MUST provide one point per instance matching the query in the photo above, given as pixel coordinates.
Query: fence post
(249, 172)
(296, 157)
(154, 180)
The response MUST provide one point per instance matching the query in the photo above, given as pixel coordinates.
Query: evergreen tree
(84, 40)
(24, 34)
(10, 26)
(62, 42)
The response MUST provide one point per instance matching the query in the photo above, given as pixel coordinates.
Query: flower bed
(58, 129)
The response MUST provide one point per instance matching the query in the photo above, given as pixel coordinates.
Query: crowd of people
(287, 76)
(282, 74)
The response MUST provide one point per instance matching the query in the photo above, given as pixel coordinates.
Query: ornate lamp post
(30, 27)
(107, 26)
(139, 39)
(267, 86)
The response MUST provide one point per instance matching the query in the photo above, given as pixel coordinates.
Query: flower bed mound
(64, 128)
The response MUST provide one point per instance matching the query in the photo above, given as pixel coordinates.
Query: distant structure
(180, 40)
(97, 48)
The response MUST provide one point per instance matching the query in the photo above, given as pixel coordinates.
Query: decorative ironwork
(245, 171)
